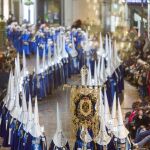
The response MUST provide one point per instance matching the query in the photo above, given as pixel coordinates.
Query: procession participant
(65, 59)
(59, 142)
(25, 38)
(39, 79)
(103, 138)
(84, 139)
(36, 139)
(32, 42)
(50, 67)
(40, 40)
(79, 38)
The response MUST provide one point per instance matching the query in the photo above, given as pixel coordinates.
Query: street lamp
(28, 3)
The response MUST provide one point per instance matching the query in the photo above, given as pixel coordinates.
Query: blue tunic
(41, 91)
(26, 37)
(5, 117)
(41, 42)
(34, 85)
(26, 86)
(66, 68)
(51, 79)
(15, 139)
(80, 144)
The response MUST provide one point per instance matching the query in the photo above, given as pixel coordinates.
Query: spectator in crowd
(138, 123)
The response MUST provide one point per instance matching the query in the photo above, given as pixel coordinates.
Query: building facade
(108, 14)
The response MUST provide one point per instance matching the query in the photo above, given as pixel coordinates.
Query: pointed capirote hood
(106, 110)
(100, 51)
(55, 56)
(61, 42)
(100, 103)
(89, 77)
(122, 131)
(108, 47)
(59, 138)
(16, 111)
(117, 60)
(95, 75)
(59, 123)
(30, 116)
(16, 77)
(36, 112)
(36, 129)
(44, 65)
(37, 62)
(111, 56)
(73, 52)
(7, 97)
(103, 138)
(24, 64)
(98, 70)
(113, 123)
(85, 136)
(58, 48)
(12, 95)
(64, 52)
(114, 110)
(49, 56)
(24, 113)
(86, 45)
(102, 71)
(18, 65)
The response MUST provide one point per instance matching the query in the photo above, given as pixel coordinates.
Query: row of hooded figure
(21, 130)
(108, 75)
(19, 125)
(26, 38)
(85, 140)
(112, 134)
(54, 68)
(49, 74)
(107, 69)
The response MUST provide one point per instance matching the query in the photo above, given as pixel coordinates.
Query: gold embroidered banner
(84, 102)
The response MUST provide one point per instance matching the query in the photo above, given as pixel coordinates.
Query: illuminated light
(98, 22)
(95, 1)
(87, 1)
(94, 7)
(122, 45)
(89, 28)
(115, 6)
(89, 6)
(96, 12)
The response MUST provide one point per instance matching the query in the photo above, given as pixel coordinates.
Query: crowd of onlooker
(139, 75)
(6, 63)
(138, 123)
(137, 72)
(137, 67)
